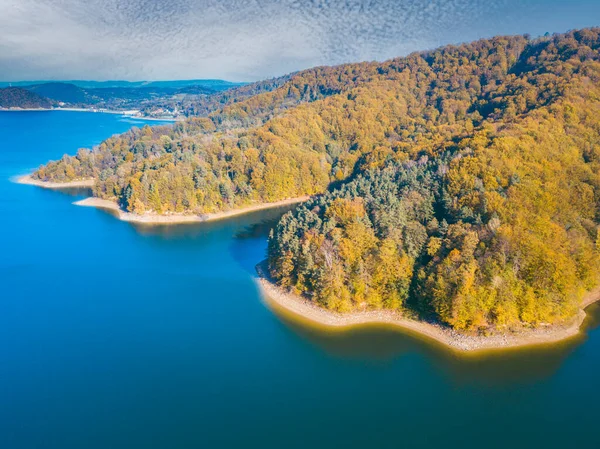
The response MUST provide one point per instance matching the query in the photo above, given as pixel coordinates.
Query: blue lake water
(117, 336)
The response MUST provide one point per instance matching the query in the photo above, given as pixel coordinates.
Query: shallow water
(121, 336)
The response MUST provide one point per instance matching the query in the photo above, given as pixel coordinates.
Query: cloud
(246, 39)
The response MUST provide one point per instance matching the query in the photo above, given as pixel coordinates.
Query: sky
(247, 40)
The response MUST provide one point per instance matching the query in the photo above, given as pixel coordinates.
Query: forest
(460, 185)
(16, 97)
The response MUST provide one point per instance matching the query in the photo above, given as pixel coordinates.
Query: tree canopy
(462, 183)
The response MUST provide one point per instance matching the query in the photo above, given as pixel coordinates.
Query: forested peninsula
(459, 186)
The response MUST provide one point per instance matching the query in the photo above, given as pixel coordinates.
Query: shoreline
(27, 179)
(276, 297)
(99, 111)
(151, 218)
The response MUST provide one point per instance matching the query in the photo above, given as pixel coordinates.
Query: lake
(120, 336)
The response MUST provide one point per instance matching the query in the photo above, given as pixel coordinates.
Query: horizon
(228, 81)
(101, 81)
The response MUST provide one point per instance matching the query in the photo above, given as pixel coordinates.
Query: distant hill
(195, 90)
(16, 97)
(115, 97)
(215, 85)
(191, 105)
(152, 98)
(63, 92)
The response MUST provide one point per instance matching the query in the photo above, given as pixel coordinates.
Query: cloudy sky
(245, 40)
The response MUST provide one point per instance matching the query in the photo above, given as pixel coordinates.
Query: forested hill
(16, 97)
(463, 182)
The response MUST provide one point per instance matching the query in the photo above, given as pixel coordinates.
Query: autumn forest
(460, 185)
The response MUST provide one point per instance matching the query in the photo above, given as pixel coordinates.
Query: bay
(120, 336)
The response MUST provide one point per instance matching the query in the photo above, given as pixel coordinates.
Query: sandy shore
(27, 179)
(104, 111)
(275, 297)
(152, 218)
(125, 114)
(23, 109)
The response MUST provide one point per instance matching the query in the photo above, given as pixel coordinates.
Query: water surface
(120, 336)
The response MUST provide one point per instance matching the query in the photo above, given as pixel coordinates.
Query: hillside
(16, 97)
(62, 92)
(463, 184)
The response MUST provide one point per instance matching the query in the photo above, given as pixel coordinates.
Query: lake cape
(121, 335)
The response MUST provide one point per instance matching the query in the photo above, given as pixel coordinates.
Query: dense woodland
(460, 184)
(16, 97)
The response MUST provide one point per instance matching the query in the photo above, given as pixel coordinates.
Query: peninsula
(460, 185)
(151, 217)
(28, 179)
(277, 298)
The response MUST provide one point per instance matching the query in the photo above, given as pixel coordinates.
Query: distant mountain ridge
(111, 96)
(62, 92)
(214, 84)
(160, 99)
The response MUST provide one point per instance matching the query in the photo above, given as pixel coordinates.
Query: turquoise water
(117, 336)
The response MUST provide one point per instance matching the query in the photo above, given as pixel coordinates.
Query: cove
(123, 335)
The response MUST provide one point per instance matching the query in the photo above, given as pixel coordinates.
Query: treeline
(470, 173)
